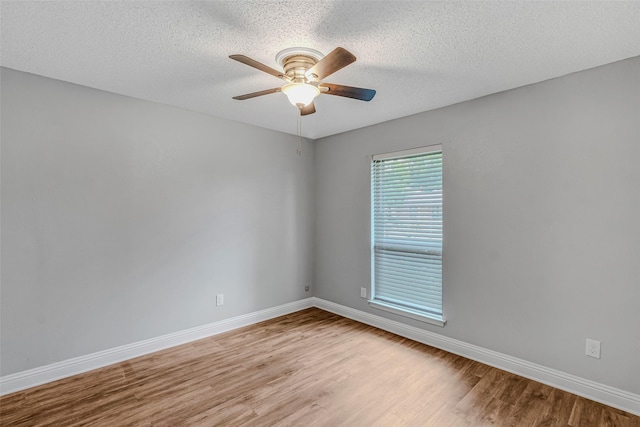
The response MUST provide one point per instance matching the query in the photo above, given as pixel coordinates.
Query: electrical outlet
(593, 348)
(220, 299)
(363, 292)
(306, 288)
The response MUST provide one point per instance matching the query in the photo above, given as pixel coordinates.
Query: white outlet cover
(363, 292)
(592, 348)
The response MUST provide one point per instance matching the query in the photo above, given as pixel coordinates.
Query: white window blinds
(407, 230)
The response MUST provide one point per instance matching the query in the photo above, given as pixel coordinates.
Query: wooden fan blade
(309, 109)
(347, 91)
(254, 94)
(259, 66)
(337, 59)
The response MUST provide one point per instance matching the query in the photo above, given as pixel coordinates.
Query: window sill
(402, 311)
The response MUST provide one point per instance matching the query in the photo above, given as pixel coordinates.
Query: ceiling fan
(303, 71)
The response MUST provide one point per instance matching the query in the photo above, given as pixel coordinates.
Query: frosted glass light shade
(300, 94)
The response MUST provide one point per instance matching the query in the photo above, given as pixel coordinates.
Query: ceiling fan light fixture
(300, 94)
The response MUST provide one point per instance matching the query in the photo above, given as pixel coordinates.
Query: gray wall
(122, 219)
(542, 219)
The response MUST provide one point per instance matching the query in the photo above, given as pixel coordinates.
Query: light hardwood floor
(309, 368)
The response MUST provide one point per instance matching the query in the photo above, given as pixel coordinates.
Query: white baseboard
(610, 396)
(66, 368)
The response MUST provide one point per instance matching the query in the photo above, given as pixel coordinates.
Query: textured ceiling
(418, 55)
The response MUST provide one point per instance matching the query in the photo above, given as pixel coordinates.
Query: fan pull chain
(299, 143)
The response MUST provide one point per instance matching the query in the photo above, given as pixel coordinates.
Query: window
(406, 233)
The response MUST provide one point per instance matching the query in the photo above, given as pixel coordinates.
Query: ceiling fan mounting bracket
(298, 51)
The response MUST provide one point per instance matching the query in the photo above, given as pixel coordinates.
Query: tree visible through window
(406, 211)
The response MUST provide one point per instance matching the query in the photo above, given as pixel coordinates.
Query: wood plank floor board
(558, 410)
(309, 368)
(586, 412)
(529, 407)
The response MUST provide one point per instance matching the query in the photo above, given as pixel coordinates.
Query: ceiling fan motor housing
(296, 61)
(296, 66)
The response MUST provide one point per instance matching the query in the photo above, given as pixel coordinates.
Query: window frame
(426, 317)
